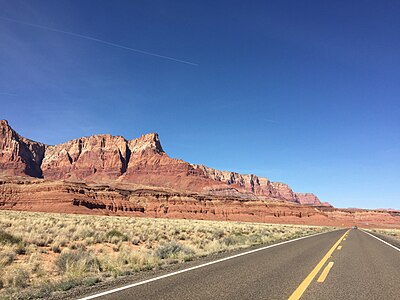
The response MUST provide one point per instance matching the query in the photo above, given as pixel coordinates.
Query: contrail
(7, 94)
(99, 41)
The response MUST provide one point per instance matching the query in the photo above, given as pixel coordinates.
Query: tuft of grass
(76, 264)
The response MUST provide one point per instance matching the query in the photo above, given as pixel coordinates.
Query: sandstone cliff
(307, 199)
(106, 174)
(248, 183)
(105, 158)
(139, 201)
(18, 155)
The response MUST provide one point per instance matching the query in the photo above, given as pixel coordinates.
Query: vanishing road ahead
(343, 264)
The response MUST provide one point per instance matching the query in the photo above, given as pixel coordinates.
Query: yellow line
(344, 239)
(306, 282)
(325, 272)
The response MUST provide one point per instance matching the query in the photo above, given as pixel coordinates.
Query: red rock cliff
(18, 155)
(105, 158)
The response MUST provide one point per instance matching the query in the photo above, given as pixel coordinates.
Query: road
(343, 264)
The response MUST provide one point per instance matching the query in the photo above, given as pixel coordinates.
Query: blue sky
(304, 92)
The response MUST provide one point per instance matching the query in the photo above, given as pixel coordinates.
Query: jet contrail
(99, 41)
(7, 94)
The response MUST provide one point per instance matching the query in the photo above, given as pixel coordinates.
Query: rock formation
(284, 191)
(307, 199)
(106, 174)
(110, 175)
(105, 158)
(135, 200)
(18, 155)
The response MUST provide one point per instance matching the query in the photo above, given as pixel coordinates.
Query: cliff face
(106, 158)
(307, 199)
(284, 191)
(101, 156)
(247, 183)
(18, 155)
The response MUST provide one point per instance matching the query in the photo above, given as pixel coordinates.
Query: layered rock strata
(74, 170)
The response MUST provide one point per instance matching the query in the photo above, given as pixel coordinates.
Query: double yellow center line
(306, 282)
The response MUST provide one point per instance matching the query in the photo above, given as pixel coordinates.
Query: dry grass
(41, 253)
(394, 233)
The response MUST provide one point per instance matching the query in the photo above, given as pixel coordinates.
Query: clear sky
(304, 92)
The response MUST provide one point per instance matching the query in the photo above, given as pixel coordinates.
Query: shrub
(218, 234)
(6, 258)
(171, 249)
(91, 281)
(56, 248)
(67, 285)
(229, 241)
(17, 277)
(135, 240)
(115, 236)
(21, 248)
(255, 239)
(6, 238)
(77, 263)
(133, 258)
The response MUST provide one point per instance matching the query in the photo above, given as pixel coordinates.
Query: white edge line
(394, 247)
(195, 267)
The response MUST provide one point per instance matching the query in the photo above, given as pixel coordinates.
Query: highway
(343, 264)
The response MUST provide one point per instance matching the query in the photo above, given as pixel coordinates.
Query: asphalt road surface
(344, 264)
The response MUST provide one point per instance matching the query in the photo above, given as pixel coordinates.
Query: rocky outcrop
(18, 155)
(284, 191)
(106, 158)
(246, 183)
(307, 199)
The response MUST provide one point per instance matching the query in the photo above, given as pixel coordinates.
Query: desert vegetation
(394, 233)
(42, 253)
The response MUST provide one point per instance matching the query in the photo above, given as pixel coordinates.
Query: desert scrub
(17, 277)
(394, 233)
(6, 257)
(76, 264)
(172, 249)
(114, 236)
(46, 252)
(7, 238)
